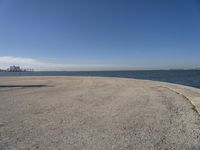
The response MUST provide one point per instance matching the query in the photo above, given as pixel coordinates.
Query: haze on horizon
(100, 35)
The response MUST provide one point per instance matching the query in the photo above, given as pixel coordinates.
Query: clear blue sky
(145, 34)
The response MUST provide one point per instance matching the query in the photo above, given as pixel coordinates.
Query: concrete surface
(88, 113)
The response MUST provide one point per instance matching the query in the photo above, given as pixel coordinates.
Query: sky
(100, 34)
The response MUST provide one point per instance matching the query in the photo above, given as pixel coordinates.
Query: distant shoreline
(4, 70)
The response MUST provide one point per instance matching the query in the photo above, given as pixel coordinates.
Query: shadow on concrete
(22, 86)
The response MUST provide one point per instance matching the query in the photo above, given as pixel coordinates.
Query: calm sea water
(184, 77)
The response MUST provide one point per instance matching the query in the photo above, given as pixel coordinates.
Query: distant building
(18, 69)
(14, 69)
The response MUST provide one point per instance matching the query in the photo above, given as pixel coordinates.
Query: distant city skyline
(100, 35)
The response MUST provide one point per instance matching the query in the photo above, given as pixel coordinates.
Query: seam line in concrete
(193, 105)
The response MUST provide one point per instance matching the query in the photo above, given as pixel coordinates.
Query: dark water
(184, 77)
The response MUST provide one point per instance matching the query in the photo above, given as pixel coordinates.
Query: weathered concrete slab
(97, 113)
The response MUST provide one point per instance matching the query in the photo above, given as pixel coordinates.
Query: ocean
(183, 77)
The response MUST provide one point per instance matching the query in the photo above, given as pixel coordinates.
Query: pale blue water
(184, 77)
